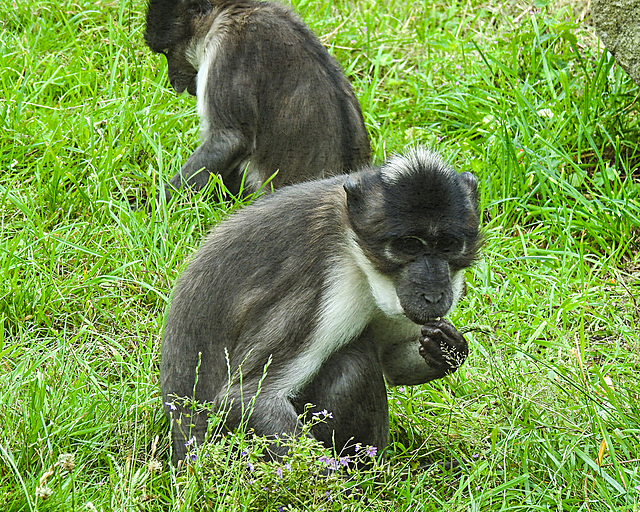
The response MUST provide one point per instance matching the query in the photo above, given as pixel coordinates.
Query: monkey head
(173, 27)
(415, 224)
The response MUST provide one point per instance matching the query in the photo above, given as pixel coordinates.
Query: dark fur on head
(329, 281)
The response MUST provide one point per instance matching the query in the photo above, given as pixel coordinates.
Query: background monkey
(269, 96)
(341, 284)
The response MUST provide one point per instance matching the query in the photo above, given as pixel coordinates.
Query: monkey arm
(439, 350)
(221, 152)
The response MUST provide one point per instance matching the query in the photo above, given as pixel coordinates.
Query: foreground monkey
(269, 96)
(338, 284)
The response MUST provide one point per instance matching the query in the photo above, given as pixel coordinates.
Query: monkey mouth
(422, 320)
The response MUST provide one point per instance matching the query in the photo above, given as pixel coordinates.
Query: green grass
(544, 415)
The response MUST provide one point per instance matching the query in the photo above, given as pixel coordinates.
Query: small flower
(171, 406)
(67, 461)
(372, 451)
(458, 66)
(330, 462)
(281, 508)
(344, 461)
(251, 467)
(476, 455)
(193, 456)
(190, 441)
(329, 497)
(324, 414)
(155, 466)
(279, 472)
(43, 492)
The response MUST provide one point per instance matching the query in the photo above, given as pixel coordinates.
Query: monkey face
(417, 224)
(427, 284)
(182, 75)
(172, 27)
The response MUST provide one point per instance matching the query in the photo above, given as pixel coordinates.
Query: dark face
(182, 75)
(429, 280)
(420, 230)
(171, 29)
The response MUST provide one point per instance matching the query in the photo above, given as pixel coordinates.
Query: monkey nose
(432, 298)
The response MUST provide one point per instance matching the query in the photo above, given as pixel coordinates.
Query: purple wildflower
(372, 450)
(171, 406)
(324, 414)
(279, 472)
(193, 456)
(190, 441)
(250, 466)
(330, 462)
(344, 461)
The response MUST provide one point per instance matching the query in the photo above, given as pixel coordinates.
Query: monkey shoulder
(273, 233)
(273, 26)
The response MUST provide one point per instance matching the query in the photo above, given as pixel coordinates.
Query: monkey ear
(353, 190)
(470, 183)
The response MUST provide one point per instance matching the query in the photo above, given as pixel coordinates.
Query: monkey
(336, 286)
(270, 97)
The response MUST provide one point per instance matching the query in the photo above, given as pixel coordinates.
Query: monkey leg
(188, 426)
(221, 152)
(271, 415)
(351, 389)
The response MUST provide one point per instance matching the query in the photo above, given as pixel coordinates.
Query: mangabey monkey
(269, 96)
(338, 284)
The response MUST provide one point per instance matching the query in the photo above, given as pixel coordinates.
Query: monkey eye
(449, 245)
(409, 245)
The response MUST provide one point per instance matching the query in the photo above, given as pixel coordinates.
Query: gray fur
(269, 96)
(310, 281)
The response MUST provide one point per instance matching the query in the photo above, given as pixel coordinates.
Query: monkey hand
(443, 347)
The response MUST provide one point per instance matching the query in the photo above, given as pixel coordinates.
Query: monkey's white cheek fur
(382, 288)
(457, 285)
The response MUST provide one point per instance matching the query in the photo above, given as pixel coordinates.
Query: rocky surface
(618, 25)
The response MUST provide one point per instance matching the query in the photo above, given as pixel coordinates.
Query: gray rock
(618, 25)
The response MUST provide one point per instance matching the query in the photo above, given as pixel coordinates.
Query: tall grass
(543, 416)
